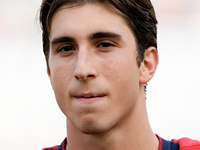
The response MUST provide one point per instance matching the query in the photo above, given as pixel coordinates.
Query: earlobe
(148, 65)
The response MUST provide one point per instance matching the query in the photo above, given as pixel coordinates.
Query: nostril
(76, 77)
(84, 77)
(90, 75)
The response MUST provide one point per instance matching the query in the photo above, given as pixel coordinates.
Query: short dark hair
(138, 14)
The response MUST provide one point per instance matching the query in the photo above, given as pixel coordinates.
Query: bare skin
(97, 82)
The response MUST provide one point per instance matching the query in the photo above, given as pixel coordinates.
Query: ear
(148, 65)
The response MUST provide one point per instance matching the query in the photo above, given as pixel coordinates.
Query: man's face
(93, 67)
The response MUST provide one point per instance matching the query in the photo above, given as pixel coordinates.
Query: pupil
(67, 48)
(105, 44)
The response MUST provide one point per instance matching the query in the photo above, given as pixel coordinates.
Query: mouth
(89, 97)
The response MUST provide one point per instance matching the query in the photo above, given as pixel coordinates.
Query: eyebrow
(97, 35)
(62, 39)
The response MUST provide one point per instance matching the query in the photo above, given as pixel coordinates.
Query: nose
(85, 66)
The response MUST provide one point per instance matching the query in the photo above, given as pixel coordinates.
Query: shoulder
(62, 146)
(51, 148)
(187, 144)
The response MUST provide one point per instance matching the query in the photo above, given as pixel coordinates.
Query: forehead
(89, 16)
(73, 6)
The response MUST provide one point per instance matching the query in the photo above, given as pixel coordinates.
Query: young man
(100, 55)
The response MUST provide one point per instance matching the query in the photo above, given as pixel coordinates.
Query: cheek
(121, 66)
(61, 76)
(61, 72)
(112, 65)
(122, 73)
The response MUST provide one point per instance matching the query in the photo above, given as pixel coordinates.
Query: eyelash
(70, 48)
(105, 45)
(66, 46)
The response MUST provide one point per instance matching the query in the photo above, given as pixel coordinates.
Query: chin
(93, 127)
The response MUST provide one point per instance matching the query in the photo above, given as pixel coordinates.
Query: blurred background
(29, 115)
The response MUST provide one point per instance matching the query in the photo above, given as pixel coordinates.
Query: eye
(105, 44)
(66, 48)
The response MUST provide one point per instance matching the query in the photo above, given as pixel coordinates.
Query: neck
(134, 133)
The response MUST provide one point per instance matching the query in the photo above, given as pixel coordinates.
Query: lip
(89, 97)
